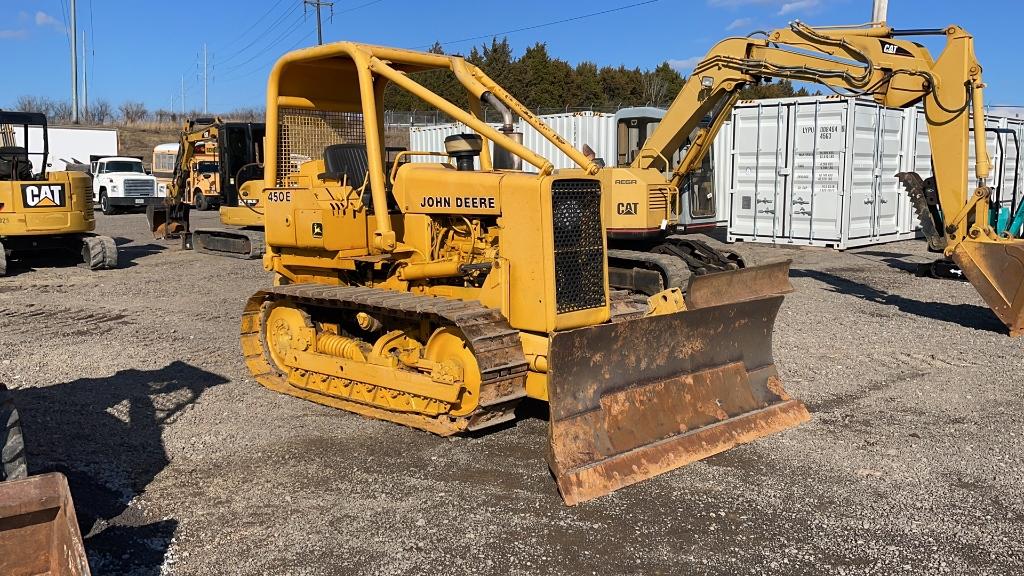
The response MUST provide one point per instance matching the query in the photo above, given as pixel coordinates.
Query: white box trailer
(817, 171)
(72, 144)
(615, 138)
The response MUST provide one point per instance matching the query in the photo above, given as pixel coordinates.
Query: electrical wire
(270, 45)
(536, 26)
(257, 38)
(274, 4)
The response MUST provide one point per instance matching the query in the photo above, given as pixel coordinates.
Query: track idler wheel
(454, 362)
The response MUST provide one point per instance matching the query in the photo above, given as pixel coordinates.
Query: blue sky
(141, 49)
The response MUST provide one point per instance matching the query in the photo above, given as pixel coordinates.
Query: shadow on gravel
(966, 315)
(105, 435)
(127, 255)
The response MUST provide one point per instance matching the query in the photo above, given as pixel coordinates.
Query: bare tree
(32, 104)
(133, 112)
(100, 112)
(60, 111)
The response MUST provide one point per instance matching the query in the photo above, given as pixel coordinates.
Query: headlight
(113, 188)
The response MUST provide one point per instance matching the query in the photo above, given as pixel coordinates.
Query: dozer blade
(38, 528)
(996, 269)
(236, 243)
(633, 399)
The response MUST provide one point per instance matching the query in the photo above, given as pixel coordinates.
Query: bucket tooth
(633, 399)
(996, 270)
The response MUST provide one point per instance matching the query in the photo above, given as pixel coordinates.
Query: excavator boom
(878, 62)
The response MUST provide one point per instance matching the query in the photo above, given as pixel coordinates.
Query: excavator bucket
(633, 399)
(38, 528)
(996, 269)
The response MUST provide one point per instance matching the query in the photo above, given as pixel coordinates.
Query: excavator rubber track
(645, 272)
(231, 242)
(667, 265)
(494, 343)
(99, 252)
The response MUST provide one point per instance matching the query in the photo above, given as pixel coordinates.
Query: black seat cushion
(14, 163)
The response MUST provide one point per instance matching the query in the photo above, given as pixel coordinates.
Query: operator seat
(14, 163)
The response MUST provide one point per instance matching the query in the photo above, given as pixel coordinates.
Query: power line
(260, 37)
(536, 26)
(363, 5)
(273, 5)
(269, 46)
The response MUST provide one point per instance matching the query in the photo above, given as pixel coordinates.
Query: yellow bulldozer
(42, 211)
(439, 296)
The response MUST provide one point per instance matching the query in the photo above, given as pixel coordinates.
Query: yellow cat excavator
(42, 210)
(872, 61)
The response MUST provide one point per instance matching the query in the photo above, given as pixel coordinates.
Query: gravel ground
(131, 382)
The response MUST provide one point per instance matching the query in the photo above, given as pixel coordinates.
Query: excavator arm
(172, 219)
(877, 62)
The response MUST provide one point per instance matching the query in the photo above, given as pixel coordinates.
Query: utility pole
(319, 26)
(85, 72)
(182, 94)
(879, 10)
(74, 64)
(206, 80)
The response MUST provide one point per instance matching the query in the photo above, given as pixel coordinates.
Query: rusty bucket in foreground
(38, 529)
(996, 270)
(633, 399)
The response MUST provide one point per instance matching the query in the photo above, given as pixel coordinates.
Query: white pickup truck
(121, 183)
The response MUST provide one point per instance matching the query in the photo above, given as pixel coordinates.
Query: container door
(874, 189)
(759, 170)
(819, 144)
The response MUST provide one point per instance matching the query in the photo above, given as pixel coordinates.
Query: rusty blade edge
(601, 478)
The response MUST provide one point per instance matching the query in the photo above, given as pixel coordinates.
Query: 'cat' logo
(43, 195)
(627, 208)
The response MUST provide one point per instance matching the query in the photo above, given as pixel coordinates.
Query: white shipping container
(707, 205)
(69, 144)
(1004, 138)
(817, 171)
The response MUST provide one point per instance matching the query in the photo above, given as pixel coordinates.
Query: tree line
(546, 84)
(101, 112)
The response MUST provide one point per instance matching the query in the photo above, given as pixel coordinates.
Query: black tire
(99, 252)
(13, 465)
(3, 260)
(105, 205)
(202, 204)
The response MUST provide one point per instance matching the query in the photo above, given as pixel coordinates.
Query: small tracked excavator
(439, 295)
(239, 148)
(42, 211)
(876, 61)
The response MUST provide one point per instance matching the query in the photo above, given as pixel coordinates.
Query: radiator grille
(578, 245)
(139, 187)
(304, 134)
